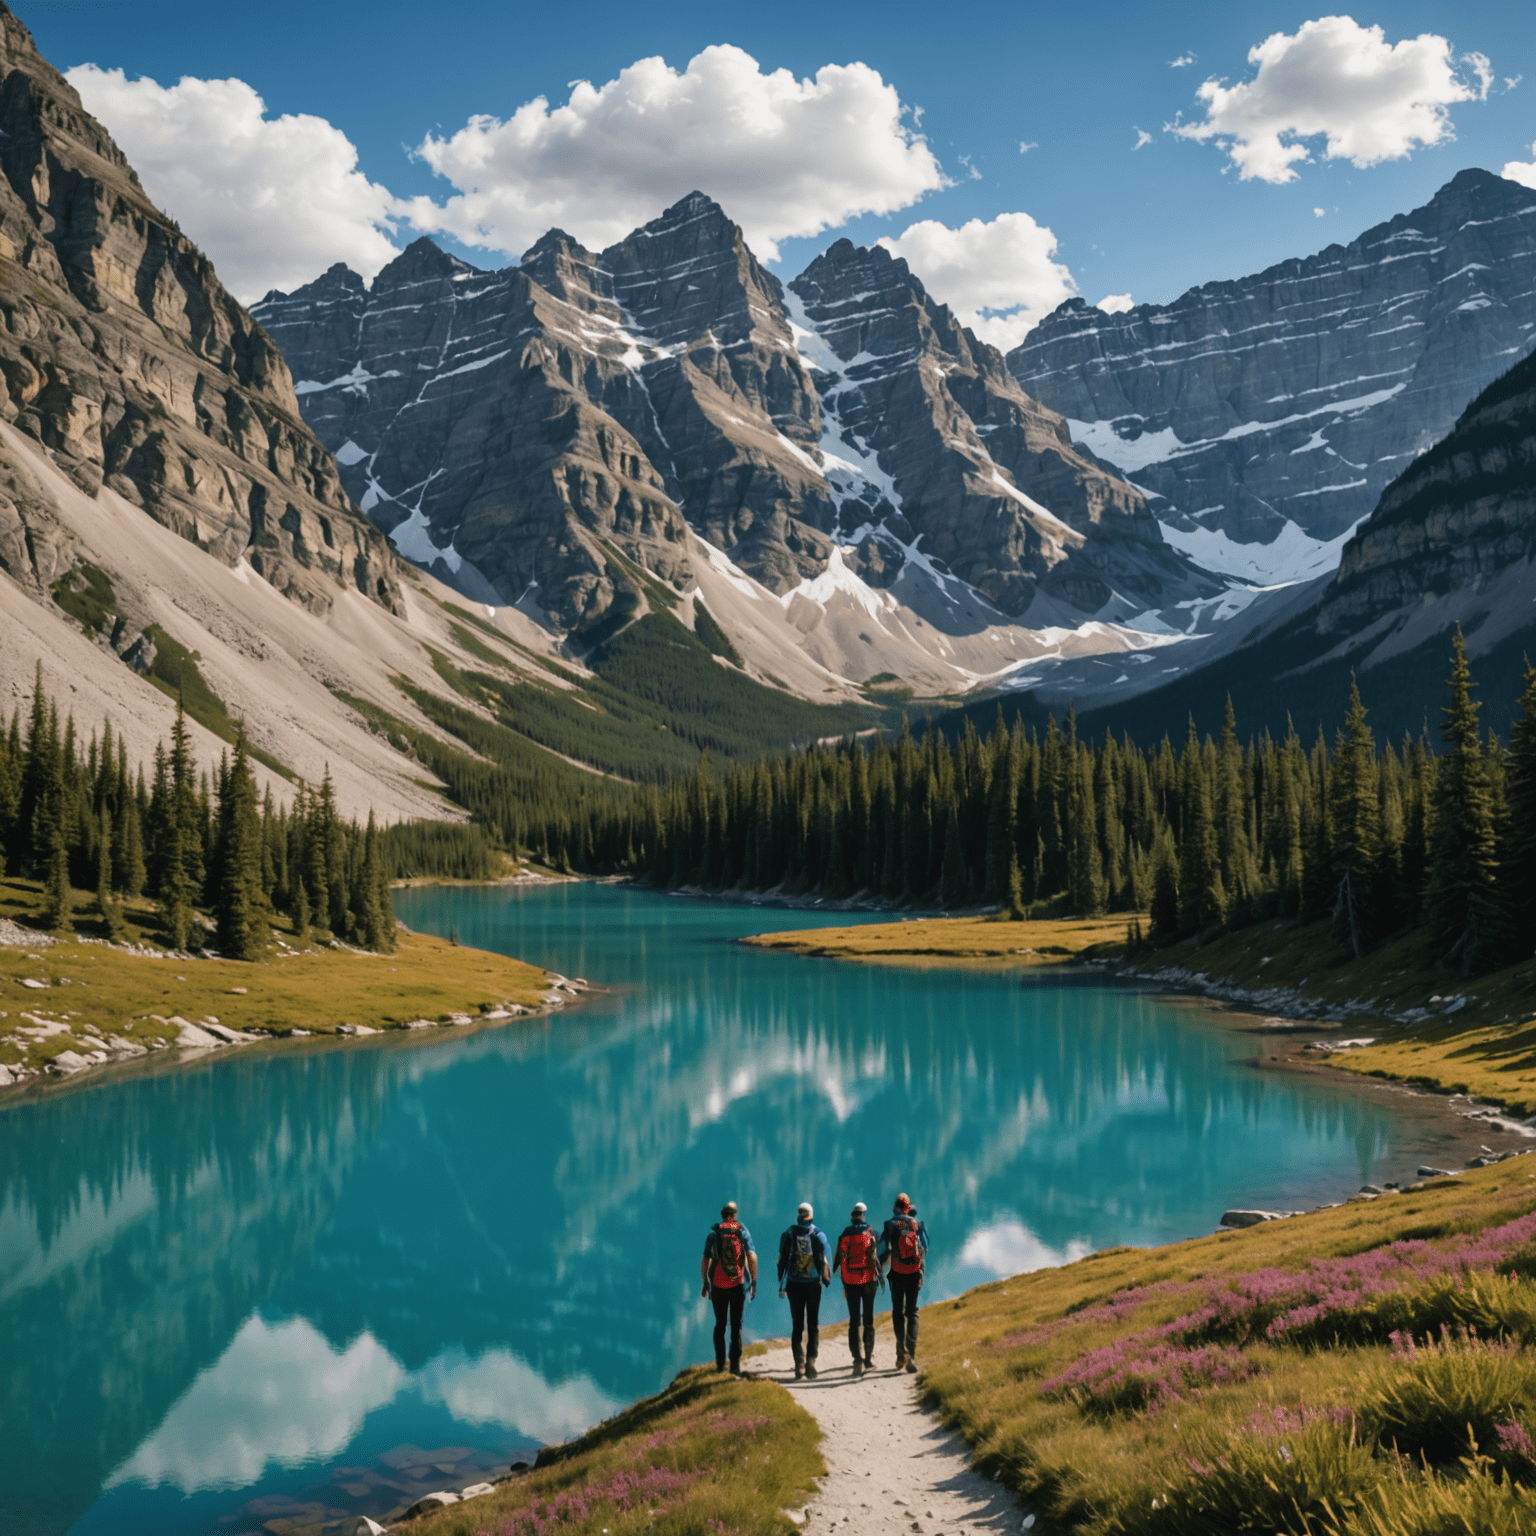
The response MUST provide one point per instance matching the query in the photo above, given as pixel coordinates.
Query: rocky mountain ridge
(130, 367)
(540, 429)
(1265, 416)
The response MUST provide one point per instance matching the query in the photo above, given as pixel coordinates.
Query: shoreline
(139, 1009)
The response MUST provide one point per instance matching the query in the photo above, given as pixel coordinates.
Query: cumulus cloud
(1523, 171)
(1369, 100)
(1115, 303)
(784, 156)
(1318, 212)
(1183, 61)
(1001, 277)
(272, 200)
(1143, 138)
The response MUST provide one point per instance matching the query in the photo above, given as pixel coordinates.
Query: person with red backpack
(904, 1247)
(857, 1259)
(728, 1271)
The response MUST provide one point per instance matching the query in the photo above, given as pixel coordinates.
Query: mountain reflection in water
(261, 1277)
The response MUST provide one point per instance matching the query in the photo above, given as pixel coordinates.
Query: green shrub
(1290, 1482)
(1410, 1503)
(1439, 1400)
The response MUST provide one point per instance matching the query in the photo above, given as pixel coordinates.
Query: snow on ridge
(414, 541)
(1290, 557)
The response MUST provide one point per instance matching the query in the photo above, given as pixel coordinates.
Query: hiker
(803, 1272)
(904, 1248)
(861, 1278)
(728, 1271)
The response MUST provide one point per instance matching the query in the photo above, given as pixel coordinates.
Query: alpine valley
(624, 506)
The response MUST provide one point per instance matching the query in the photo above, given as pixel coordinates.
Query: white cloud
(784, 157)
(1115, 303)
(1183, 61)
(1143, 138)
(1318, 212)
(1024, 148)
(1369, 100)
(1008, 1247)
(1511, 81)
(1523, 171)
(272, 201)
(278, 1394)
(1000, 277)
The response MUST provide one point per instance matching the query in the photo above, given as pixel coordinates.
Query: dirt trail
(891, 1466)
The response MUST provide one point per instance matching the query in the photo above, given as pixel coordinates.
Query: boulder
(477, 1490)
(1435, 1173)
(431, 1502)
(1249, 1218)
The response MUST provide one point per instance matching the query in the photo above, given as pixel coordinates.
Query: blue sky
(1082, 84)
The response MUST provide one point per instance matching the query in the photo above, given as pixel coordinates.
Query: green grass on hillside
(709, 1454)
(91, 988)
(1260, 1380)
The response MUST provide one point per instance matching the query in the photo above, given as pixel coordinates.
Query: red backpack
(859, 1257)
(907, 1254)
(730, 1255)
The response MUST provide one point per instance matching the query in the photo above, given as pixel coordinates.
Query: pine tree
(1015, 889)
(240, 901)
(378, 927)
(107, 909)
(1165, 909)
(952, 883)
(1518, 865)
(1356, 829)
(1466, 924)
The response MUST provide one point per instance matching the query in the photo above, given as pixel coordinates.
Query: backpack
(907, 1254)
(730, 1254)
(858, 1257)
(802, 1256)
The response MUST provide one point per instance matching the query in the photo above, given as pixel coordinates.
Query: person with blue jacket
(904, 1251)
(728, 1271)
(803, 1272)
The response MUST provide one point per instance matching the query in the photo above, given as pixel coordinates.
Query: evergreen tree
(240, 900)
(1165, 907)
(1518, 864)
(1466, 925)
(1356, 829)
(107, 909)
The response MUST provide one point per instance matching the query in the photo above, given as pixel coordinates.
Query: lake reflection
(273, 1282)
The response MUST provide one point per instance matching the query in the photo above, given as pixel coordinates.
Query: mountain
(171, 529)
(558, 434)
(1264, 417)
(125, 360)
(1452, 541)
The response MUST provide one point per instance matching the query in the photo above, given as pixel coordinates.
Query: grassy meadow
(710, 1453)
(1362, 1371)
(92, 993)
(990, 942)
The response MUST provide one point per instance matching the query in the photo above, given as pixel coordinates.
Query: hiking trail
(891, 1465)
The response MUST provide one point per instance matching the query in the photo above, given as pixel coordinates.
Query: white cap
(805, 1212)
(858, 1205)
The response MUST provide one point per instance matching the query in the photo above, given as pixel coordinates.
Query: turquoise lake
(278, 1280)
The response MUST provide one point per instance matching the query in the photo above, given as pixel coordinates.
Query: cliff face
(928, 438)
(1462, 515)
(532, 422)
(1268, 414)
(125, 359)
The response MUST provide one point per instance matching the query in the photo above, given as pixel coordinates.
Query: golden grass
(987, 1354)
(112, 991)
(710, 1453)
(988, 943)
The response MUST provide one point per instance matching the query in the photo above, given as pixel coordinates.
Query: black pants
(861, 1303)
(805, 1319)
(904, 1289)
(728, 1300)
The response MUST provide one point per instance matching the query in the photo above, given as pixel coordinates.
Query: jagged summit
(1268, 413)
(531, 420)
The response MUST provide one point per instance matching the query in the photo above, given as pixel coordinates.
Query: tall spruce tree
(1463, 909)
(240, 902)
(1356, 830)
(1518, 864)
